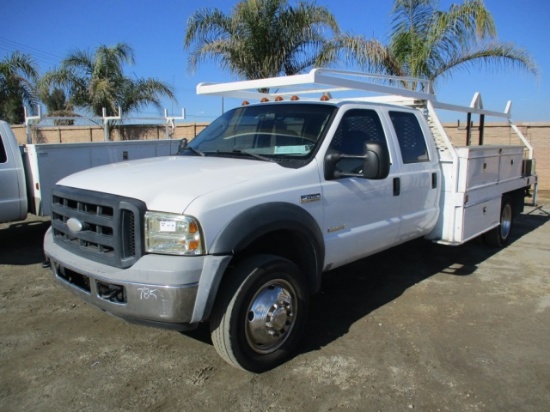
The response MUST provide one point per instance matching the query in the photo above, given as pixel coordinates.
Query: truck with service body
(237, 229)
(29, 172)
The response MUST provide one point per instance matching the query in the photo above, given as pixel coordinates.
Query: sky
(49, 29)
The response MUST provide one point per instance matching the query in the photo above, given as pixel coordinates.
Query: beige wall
(83, 134)
(538, 135)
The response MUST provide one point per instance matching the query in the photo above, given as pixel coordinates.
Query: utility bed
(481, 166)
(484, 173)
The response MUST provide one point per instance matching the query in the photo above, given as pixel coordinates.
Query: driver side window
(357, 127)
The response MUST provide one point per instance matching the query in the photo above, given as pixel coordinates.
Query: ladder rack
(397, 89)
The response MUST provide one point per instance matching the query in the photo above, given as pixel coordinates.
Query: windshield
(273, 132)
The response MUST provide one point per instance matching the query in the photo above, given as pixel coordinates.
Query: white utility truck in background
(29, 172)
(237, 229)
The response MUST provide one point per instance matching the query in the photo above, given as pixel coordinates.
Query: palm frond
(18, 75)
(260, 38)
(492, 56)
(96, 81)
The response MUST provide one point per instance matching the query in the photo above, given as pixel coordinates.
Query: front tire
(261, 312)
(500, 235)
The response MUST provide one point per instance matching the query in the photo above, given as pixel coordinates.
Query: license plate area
(76, 279)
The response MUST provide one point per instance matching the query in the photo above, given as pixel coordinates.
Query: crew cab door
(417, 183)
(361, 215)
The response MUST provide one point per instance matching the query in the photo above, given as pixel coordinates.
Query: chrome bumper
(157, 290)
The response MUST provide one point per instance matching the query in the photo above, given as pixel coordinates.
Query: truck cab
(392, 209)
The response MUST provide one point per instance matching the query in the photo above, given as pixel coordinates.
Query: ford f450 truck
(29, 172)
(238, 228)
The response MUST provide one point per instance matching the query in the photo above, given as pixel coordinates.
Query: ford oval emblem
(74, 225)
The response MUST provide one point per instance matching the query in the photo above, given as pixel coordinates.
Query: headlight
(172, 234)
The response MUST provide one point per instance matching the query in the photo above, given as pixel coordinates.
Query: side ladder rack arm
(470, 109)
(523, 139)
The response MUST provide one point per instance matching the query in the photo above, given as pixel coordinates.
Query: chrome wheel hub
(506, 222)
(270, 316)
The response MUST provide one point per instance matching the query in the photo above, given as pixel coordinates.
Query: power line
(37, 54)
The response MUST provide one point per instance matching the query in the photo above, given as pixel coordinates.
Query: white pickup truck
(238, 228)
(29, 172)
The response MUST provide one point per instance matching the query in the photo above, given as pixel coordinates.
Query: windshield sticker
(300, 149)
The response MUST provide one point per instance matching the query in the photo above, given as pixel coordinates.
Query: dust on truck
(237, 229)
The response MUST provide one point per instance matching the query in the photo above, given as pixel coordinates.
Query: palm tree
(18, 74)
(261, 38)
(431, 44)
(57, 105)
(266, 38)
(96, 81)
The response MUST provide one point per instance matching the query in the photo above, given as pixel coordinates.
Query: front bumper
(159, 290)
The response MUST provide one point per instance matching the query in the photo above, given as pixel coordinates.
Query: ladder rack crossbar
(339, 80)
(324, 81)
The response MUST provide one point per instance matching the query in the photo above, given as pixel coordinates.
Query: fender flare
(253, 223)
(242, 231)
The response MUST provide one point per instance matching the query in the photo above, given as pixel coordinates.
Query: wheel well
(517, 198)
(289, 245)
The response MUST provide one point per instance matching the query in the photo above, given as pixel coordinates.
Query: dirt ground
(419, 327)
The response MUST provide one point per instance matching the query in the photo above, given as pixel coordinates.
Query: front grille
(109, 227)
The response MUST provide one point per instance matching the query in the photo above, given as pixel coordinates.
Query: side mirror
(374, 164)
(377, 161)
(182, 145)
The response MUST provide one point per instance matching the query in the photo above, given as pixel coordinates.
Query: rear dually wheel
(500, 235)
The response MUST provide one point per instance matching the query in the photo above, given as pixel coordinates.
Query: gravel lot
(419, 327)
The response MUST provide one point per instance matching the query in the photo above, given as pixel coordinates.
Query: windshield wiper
(245, 153)
(196, 151)
(254, 155)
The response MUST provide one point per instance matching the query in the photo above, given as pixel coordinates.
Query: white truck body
(29, 172)
(238, 228)
(485, 173)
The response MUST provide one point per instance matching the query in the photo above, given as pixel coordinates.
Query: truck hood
(170, 183)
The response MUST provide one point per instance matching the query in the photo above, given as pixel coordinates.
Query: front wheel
(261, 312)
(500, 235)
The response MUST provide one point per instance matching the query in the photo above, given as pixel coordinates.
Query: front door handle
(396, 186)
